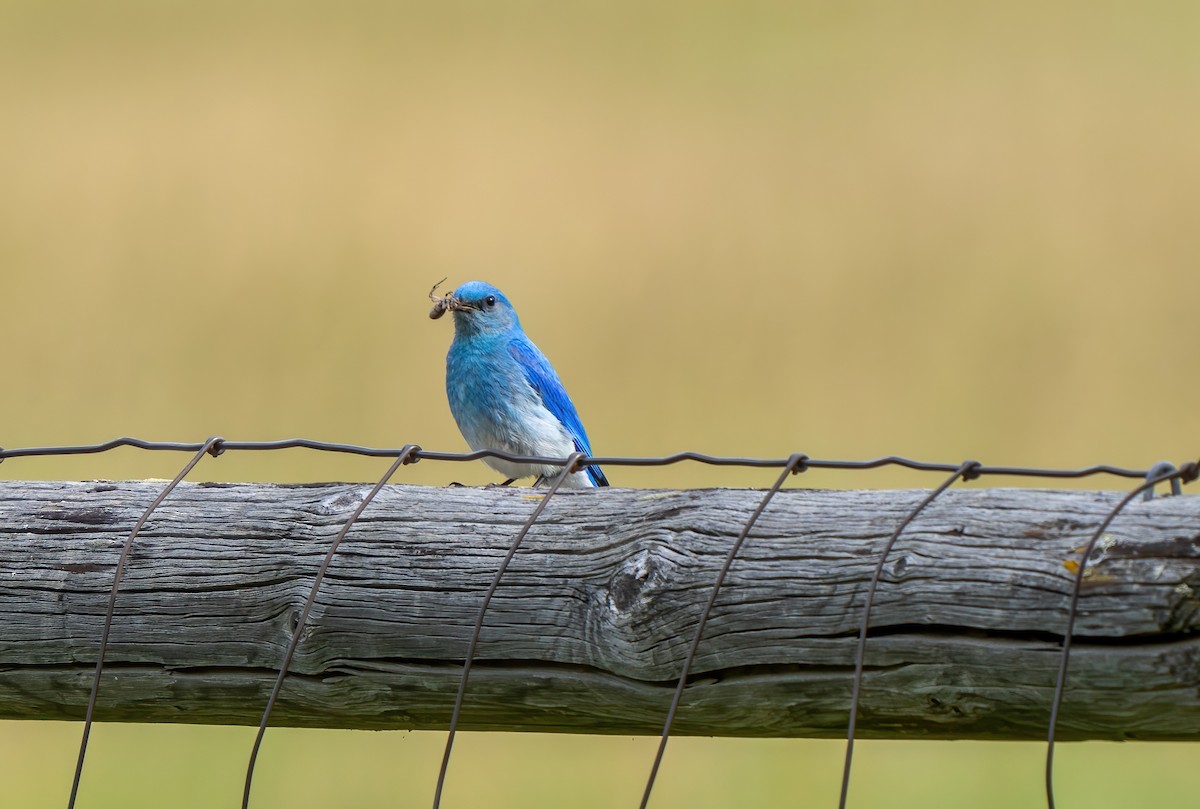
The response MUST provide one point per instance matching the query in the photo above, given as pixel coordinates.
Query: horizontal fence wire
(602, 460)
(1161, 472)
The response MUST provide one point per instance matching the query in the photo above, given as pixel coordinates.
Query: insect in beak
(449, 303)
(440, 304)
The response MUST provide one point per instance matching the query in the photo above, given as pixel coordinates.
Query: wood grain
(588, 628)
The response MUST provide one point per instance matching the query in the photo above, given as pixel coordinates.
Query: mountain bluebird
(504, 393)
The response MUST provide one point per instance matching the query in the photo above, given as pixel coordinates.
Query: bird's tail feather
(596, 476)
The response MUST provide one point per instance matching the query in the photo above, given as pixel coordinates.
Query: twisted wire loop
(1187, 473)
(1162, 468)
(574, 461)
(212, 446)
(796, 464)
(407, 455)
(967, 470)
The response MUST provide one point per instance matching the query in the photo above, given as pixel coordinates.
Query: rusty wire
(211, 446)
(569, 466)
(1185, 474)
(796, 462)
(403, 458)
(795, 465)
(968, 470)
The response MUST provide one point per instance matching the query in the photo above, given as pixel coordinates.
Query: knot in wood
(342, 501)
(633, 584)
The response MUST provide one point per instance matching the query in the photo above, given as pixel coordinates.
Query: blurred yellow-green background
(937, 229)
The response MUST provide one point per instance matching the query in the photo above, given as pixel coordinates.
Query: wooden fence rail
(587, 631)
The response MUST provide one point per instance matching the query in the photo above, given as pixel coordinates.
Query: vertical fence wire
(968, 470)
(406, 456)
(795, 465)
(1185, 474)
(211, 446)
(571, 465)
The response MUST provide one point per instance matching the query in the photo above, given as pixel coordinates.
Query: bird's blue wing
(539, 373)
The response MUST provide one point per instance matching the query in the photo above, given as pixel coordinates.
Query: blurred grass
(932, 229)
(174, 765)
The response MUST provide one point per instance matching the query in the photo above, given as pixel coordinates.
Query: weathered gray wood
(589, 626)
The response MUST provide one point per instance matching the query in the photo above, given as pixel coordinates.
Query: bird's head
(478, 308)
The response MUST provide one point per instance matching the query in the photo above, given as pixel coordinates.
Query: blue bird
(504, 393)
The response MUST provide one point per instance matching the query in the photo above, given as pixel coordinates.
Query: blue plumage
(504, 393)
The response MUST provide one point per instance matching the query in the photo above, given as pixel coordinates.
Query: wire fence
(796, 463)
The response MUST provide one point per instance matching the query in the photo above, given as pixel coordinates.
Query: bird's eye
(489, 301)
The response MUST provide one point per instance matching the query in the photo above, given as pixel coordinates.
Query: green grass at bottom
(182, 766)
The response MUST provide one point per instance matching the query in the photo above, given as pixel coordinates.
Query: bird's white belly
(527, 429)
